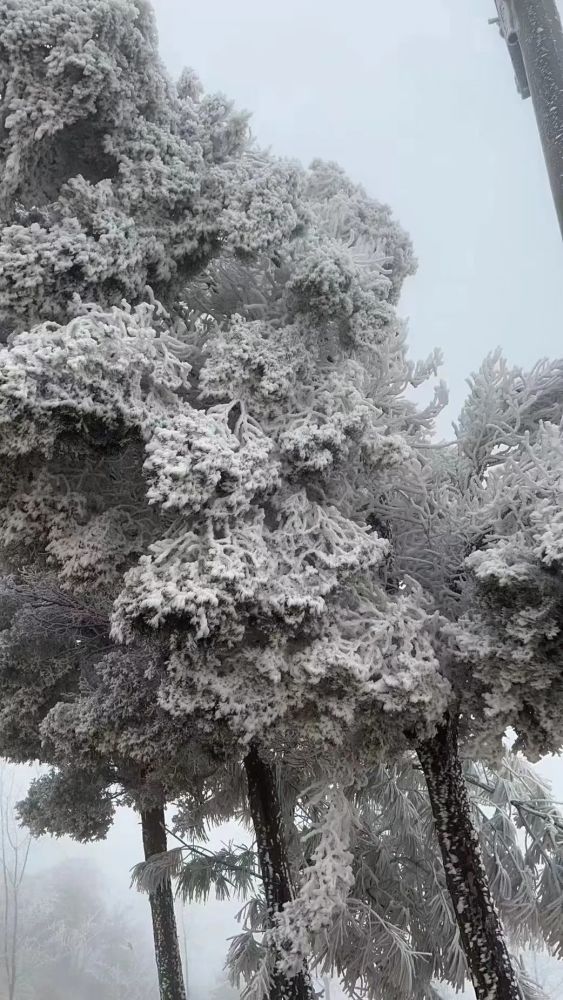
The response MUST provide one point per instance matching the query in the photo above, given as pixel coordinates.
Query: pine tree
(451, 531)
(391, 929)
(218, 479)
(113, 178)
(111, 388)
(506, 639)
(421, 501)
(116, 185)
(509, 632)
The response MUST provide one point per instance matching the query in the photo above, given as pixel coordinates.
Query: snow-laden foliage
(371, 902)
(503, 405)
(324, 888)
(477, 525)
(237, 528)
(197, 871)
(112, 176)
(365, 227)
(451, 496)
(73, 699)
(399, 871)
(512, 638)
(316, 385)
(66, 803)
(223, 521)
(478, 529)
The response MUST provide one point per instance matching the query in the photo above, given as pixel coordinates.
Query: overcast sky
(416, 100)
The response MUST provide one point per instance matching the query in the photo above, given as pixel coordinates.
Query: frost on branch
(75, 402)
(324, 889)
(363, 225)
(282, 573)
(210, 482)
(112, 178)
(68, 803)
(513, 636)
(331, 687)
(258, 361)
(101, 368)
(196, 457)
(504, 404)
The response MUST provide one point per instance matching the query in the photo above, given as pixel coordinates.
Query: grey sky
(416, 100)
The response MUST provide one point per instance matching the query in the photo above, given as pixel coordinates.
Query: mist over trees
(240, 577)
(63, 931)
(72, 941)
(75, 942)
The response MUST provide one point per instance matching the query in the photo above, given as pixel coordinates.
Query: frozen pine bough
(372, 905)
(206, 513)
(220, 511)
(113, 177)
(116, 184)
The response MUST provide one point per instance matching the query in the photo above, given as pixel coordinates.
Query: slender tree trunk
(166, 947)
(479, 924)
(14, 854)
(271, 844)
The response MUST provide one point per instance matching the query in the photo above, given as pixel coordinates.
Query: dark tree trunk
(479, 924)
(271, 845)
(166, 947)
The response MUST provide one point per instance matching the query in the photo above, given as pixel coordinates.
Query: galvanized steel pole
(533, 32)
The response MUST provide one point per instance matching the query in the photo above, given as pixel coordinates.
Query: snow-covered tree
(113, 177)
(504, 639)
(113, 180)
(372, 902)
(510, 632)
(221, 487)
(399, 875)
(14, 856)
(75, 942)
(207, 447)
(455, 530)
(480, 533)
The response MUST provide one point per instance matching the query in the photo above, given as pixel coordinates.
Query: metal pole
(534, 28)
(541, 40)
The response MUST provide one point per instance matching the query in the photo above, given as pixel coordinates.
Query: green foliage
(68, 803)
(231, 872)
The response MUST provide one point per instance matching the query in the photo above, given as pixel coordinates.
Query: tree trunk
(166, 947)
(479, 924)
(271, 845)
